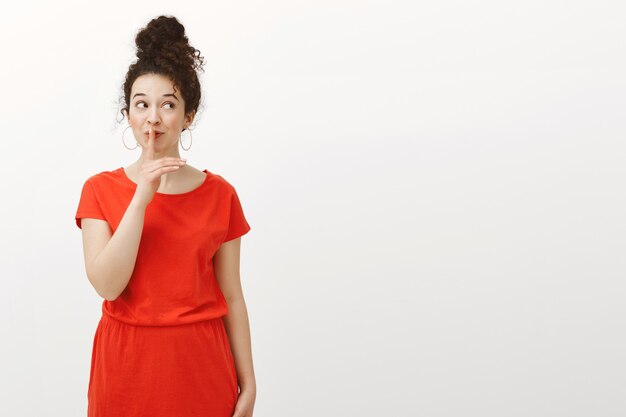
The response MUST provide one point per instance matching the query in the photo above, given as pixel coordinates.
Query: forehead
(152, 85)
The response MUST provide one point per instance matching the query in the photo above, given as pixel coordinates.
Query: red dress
(161, 348)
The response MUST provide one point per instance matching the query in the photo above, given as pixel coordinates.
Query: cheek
(172, 119)
(134, 119)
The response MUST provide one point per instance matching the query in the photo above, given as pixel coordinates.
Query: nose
(153, 116)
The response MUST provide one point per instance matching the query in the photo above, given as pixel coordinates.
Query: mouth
(158, 134)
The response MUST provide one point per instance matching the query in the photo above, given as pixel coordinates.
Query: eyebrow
(164, 95)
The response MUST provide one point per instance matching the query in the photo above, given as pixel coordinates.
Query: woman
(162, 245)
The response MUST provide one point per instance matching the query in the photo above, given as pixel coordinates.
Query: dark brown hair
(163, 48)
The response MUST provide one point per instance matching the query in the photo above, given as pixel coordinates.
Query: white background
(435, 190)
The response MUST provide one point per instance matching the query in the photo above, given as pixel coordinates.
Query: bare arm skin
(110, 259)
(226, 264)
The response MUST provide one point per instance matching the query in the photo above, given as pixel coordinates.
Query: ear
(189, 119)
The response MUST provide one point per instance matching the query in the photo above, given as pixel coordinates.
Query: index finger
(150, 151)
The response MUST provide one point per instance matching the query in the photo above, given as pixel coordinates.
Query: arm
(226, 264)
(110, 258)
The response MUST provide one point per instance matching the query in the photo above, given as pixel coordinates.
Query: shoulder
(102, 179)
(102, 175)
(224, 185)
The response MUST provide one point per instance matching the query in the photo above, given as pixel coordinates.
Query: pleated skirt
(161, 371)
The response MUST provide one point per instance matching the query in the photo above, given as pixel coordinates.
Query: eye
(169, 102)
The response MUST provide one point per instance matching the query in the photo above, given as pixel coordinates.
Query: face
(153, 103)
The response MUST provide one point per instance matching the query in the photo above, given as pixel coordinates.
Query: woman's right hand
(152, 169)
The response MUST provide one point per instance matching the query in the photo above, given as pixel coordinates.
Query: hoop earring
(125, 142)
(180, 140)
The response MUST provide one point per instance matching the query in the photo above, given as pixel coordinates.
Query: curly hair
(163, 49)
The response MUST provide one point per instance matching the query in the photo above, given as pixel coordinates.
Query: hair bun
(160, 33)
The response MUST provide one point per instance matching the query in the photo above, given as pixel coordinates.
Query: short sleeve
(88, 205)
(237, 224)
